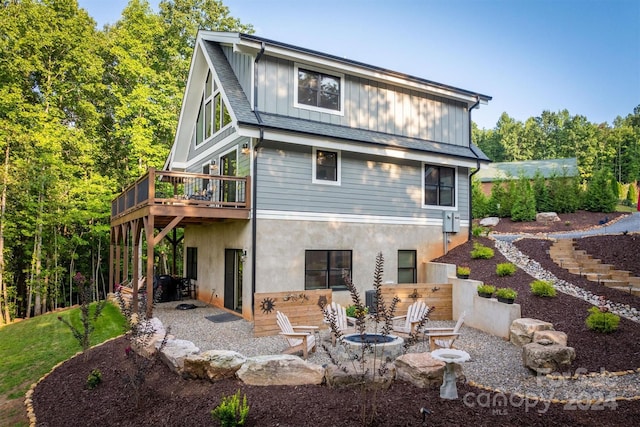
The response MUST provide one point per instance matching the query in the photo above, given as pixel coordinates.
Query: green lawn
(622, 208)
(30, 348)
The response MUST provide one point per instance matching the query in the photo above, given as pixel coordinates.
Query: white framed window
(439, 186)
(213, 115)
(326, 166)
(318, 90)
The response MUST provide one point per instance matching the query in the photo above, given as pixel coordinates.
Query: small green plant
(486, 289)
(463, 271)
(478, 230)
(481, 252)
(506, 293)
(567, 223)
(542, 288)
(601, 320)
(94, 378)
(352, 311)
(231, 411)
(505, 269)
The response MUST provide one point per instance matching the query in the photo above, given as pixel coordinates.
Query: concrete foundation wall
(485, 314)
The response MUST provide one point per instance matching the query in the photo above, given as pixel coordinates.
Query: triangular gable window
(213, 115)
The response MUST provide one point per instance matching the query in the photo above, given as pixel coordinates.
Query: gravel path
(495, 363)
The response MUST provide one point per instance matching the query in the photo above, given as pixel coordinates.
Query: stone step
(610, 283)
(634, 280)
(596, 277)
(620, 274)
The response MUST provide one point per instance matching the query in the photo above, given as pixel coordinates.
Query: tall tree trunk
(37, 285)
(5, 314)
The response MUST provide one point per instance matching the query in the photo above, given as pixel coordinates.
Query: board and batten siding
(369, 186)
(242, 66)
(368, 104)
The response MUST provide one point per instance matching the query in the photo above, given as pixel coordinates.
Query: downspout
(474, 172)
(254, 184)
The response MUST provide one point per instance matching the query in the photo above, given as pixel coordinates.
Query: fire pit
(383, 346)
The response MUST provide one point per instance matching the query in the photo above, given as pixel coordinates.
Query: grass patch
(30, 348)
(623, 208)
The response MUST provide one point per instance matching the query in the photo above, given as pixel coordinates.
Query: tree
(599, 196)
(541, 193)
(524, 203)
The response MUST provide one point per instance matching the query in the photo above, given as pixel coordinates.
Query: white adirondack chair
(444, 337)
(339, 313)
(298, 337)
(414, 315)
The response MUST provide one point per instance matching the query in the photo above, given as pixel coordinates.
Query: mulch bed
(62, 398)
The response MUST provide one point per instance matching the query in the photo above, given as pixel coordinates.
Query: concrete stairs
(564, 253)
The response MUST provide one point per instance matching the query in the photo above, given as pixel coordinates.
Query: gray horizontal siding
(368, 186)
(368, 105)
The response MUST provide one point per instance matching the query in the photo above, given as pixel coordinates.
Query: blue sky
(529, 55)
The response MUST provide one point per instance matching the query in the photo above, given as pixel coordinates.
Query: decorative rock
(547, 217)
(545, 359)
(491, 221)
(175, 351)
(522, 330)
(284, 369)
(420, 369)
(213, 365)
(557, 337)
(350, 375)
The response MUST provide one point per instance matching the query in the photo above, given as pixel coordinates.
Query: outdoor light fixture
(245, 148)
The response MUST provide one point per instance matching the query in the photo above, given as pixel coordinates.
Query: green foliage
(83, 335)
(462, 270)
(352, 310)
(506, 293)
(505, 269)
(231, 411)
(479, 201)
(601, 320)
(542, 288)
(94, 378)
(564, 193)
(632, 196)
(541, 193)
(480, 251)
(600, 196)
(486, 289)
(524, 201)
(31, 348)
(478, 230)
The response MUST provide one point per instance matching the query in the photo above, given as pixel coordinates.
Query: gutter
(254, 184)
(474, 172)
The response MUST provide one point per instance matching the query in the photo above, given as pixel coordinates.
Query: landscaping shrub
(601, 320)
(542, 288)
(478, 230)
(486, 289)
(632, 196)
(481, 252)
(479, 201)
(507, 293)
(231, 412)
(565, 193)
(352, 311)
(600, 196)
(505, 269)
(541, 193)
(524, 203)
(94, 378)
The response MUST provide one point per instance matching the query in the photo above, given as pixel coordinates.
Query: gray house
(312, 164)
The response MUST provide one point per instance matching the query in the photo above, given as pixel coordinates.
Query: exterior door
(233, 279)
(228, 165)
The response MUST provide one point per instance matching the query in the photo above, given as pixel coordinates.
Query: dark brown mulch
(579, 220)
(622, 251)
(62, 399)
(168, 400)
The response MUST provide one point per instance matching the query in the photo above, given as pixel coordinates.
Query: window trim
(314, 164)
(216, 91)
(296, 104)
(415, 265)
(328, 270)
(455, 188)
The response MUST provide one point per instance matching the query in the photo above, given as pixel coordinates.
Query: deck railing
(182, 188)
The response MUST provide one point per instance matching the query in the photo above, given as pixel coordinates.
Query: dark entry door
(233, 279)
(228, 188)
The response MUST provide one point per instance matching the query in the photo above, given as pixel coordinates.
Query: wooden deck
(193, 198)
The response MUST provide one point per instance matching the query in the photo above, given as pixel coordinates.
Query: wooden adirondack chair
(339, 313)
(444, 337)
(298, 337)
(413, 317)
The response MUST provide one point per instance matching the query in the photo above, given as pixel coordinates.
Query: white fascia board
(359, 147)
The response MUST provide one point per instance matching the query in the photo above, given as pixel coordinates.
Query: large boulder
(420, 369)
(490, 221)
(547, 217)
(213, 365)
(557, 337)
(373, 375)
(521, 330)
(175, 351)
(546, 357)
(283, 369)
